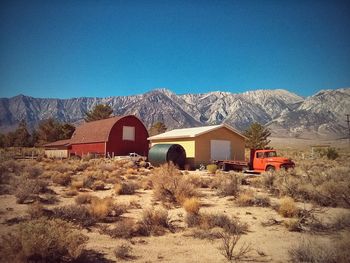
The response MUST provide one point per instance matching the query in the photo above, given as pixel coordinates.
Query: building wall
(187, 144)
(202, 145)
(85, 148)
(56, 153)
(117, 146)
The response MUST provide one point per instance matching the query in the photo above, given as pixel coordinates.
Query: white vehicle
(136, 157)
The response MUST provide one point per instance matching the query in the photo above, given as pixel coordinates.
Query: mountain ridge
(287, 114)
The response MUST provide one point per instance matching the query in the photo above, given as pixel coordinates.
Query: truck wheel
(270, 169)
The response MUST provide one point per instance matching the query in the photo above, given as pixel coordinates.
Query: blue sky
(109, 48)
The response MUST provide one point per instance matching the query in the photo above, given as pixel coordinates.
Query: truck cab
(268, 160)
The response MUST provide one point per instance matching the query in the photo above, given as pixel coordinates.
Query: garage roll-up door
(220, 150)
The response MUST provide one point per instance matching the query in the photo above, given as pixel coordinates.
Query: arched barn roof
(95, 131)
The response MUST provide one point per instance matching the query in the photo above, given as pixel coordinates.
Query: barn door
(220, 150)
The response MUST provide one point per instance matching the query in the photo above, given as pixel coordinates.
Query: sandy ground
(270, 243)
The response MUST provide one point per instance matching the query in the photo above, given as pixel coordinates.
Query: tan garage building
(204, 144)
(59, 149)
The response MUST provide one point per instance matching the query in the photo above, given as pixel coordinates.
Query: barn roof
(191, 132)
(94, 131)
(58, 143)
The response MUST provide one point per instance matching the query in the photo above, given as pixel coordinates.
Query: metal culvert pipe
(164, 153)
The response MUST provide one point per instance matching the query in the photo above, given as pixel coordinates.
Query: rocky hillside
(287, 114)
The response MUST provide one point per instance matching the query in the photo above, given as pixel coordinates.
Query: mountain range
(322, 115)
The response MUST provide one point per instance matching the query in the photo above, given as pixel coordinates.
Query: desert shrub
(292, 225)
(229, 249)
(227, 184)
(100, 208)
(32, 171)
(88, 181)
(314, 251)
(123, 251)
(123, 229)
(192, 220)
(268, 180)
(28, 189)
(98, 185)
(11, 166)
(78, 214)
(105, 209)
(250, 198)
(288, 207)
(209, 221)
(63, 179)
(126, 188)
(154, 222)
(83, 198)
(42, 240)
(212, 168)
(331, 153)
(81, 167)
(36, 211)
(320, 183)
(170, 186)
(192, 205)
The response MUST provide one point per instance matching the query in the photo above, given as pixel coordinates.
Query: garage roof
(191, 132)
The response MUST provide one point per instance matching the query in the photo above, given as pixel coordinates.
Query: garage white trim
(220, 150)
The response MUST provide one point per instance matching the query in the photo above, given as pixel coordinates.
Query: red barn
(117, 135)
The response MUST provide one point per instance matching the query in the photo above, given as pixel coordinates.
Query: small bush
(83, 198)
(229, 249)
(42, 240)
(170, 186)
(250, 198)
(192, 205)
(287, 207)
(123, 251)
(123, 229)
(331, 153)
(28, 189)
(292, 225)
(63, 179)
(125, 188)
(98, 185)
(209, 221)
(154, 222)
(227, 185)
(212, 168)
(78, 214)
(100, 208)
(32, 171)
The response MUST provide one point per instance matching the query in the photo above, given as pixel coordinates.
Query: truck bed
(227, 165)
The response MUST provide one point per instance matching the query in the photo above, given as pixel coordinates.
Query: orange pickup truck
(260, 161)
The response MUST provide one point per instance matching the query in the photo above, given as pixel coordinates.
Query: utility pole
(348, 121)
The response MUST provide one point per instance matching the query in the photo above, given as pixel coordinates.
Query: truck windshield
(270, 154)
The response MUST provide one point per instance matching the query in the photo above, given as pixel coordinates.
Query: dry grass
(84, 198)
(314, 251)
(192, 205)
(100, 208)
(288, 207)
(250, 198)
(227, 184)
(209, 221)
(42, 240)
(63, 179)
(123, 251)
(170, 186)
(154, 222)
(126, 188)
